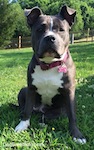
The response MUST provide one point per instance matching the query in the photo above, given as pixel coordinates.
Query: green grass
(54, 136)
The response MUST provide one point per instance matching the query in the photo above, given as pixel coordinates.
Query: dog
(51, 71)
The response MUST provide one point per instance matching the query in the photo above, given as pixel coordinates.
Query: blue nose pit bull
(51, 71)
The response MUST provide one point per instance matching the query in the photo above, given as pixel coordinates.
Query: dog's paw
(23, 125)
(77, 136)
(79, 140)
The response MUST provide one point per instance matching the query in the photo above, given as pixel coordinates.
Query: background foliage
(13, 21)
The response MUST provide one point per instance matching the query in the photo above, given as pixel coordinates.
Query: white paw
(79, 141)
(23, 125)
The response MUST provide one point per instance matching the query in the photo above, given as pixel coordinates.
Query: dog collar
(58, 63)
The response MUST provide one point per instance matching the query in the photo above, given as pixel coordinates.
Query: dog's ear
(32, 15)
(68, 14)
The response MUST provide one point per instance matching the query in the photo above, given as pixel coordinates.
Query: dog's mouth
(49, 57)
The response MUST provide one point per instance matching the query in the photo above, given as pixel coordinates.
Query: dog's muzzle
(55, 62)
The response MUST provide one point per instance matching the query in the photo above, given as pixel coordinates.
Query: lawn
(55, 135)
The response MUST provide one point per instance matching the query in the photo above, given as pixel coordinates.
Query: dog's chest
(47, 83)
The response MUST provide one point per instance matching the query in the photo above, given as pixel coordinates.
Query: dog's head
(50, 34)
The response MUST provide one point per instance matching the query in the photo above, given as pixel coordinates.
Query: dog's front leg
(70, 108)
(25, 115)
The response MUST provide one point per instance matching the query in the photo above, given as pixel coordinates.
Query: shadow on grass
(85, 107)
(7, 116)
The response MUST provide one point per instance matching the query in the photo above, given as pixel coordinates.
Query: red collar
(60, 64)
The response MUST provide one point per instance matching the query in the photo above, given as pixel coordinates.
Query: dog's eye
(61, 29)
(41, 28)
(55, 28)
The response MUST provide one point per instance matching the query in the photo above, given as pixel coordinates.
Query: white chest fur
(47, 83)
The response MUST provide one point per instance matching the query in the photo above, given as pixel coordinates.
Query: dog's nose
(50, 38)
